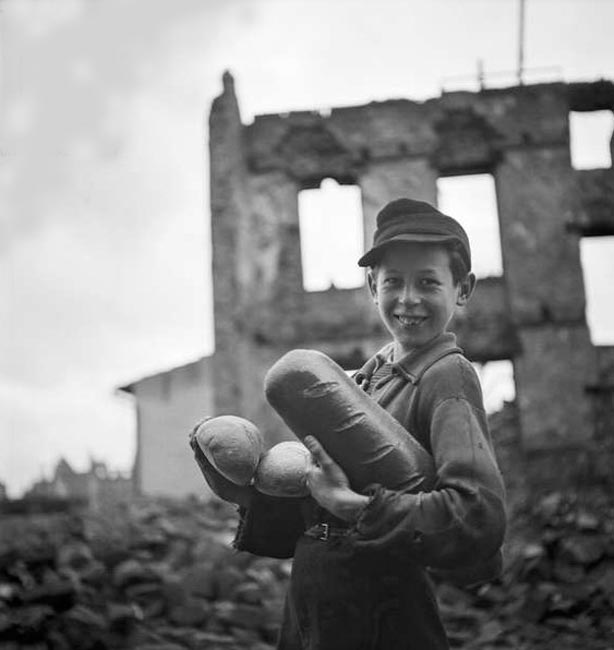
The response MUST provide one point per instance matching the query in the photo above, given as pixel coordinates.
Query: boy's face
(415, 292)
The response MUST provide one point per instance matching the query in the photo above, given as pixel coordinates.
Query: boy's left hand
(330, 486)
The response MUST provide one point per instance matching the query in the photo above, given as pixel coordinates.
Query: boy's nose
(409, 295)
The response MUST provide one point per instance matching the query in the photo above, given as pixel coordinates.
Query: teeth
(409, 322)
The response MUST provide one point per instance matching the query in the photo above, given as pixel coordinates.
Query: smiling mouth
(411, 321)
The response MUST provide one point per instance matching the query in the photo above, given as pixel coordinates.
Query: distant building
(95, 487)
(167, 407)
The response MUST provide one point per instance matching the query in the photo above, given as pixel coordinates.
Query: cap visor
(372, 256)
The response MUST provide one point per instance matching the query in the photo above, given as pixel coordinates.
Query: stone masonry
(534, 315)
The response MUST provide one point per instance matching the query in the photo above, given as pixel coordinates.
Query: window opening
(590, 134)
(597, 257)
(472, 201)
(498, 387)
(331, 232)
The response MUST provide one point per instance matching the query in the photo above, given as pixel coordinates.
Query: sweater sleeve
(462, 521)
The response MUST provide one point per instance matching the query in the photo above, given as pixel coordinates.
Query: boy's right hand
(329, 485)
(225, 489)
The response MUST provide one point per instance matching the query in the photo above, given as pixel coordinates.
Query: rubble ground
(161, 574)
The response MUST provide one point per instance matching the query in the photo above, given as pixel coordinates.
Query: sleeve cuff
(383, 522)
(369, 518)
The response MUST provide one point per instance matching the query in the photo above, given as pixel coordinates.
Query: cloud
(71, 79)
(102, 304)
(103, 250)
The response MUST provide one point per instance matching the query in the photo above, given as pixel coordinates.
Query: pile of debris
(557, 590)
(162, 575)
(146, 575)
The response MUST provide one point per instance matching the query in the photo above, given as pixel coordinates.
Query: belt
(324, 531)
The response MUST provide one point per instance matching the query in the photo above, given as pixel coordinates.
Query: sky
(104, 219)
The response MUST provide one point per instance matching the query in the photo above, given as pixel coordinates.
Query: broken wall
(533, 315)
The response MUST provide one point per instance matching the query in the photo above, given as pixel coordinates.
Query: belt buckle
(324, 532)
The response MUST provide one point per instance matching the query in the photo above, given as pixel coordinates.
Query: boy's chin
(411, 342)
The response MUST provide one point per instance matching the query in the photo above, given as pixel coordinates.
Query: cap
(406, 220)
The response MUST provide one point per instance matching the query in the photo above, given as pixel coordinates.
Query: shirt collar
(414, 364)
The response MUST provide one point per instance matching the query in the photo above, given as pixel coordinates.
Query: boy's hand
(225, 489)
(330, 486)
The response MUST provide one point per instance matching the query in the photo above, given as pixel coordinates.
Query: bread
(282, 470)
(232, 445)
(314, 396)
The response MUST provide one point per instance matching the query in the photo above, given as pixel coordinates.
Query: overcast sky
(104, 242)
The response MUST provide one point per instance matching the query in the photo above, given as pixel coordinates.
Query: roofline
(129, 388)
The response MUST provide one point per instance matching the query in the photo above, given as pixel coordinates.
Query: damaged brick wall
(533, 315)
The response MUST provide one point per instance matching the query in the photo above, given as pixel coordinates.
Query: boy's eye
(390, 281)
(429, 282)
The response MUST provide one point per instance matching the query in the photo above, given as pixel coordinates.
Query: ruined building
(534, 315)
(96, 486)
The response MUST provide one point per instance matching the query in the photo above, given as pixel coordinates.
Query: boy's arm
(268, 526)
(227, 490)
(456, 529)
(462, 521)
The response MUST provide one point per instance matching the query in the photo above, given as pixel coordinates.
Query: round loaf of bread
(282, 471)
(233, 445)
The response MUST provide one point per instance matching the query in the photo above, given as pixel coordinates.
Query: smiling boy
(419, 272)
(414, 289)
(361, 560)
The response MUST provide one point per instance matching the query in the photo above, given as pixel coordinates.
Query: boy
(359, 573)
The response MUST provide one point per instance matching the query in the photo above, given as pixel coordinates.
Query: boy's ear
(467, 285)
(371, 279)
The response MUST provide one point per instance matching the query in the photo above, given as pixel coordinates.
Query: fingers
(317, 451)
(192, 436)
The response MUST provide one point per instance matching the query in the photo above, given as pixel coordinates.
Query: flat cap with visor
(406, 220)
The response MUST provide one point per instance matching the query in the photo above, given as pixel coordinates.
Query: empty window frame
(498, 386)
(472, 201)
(331, 232)
(597, 257)
(590, 137)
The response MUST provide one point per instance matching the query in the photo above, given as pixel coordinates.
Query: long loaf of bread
(314, 396)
